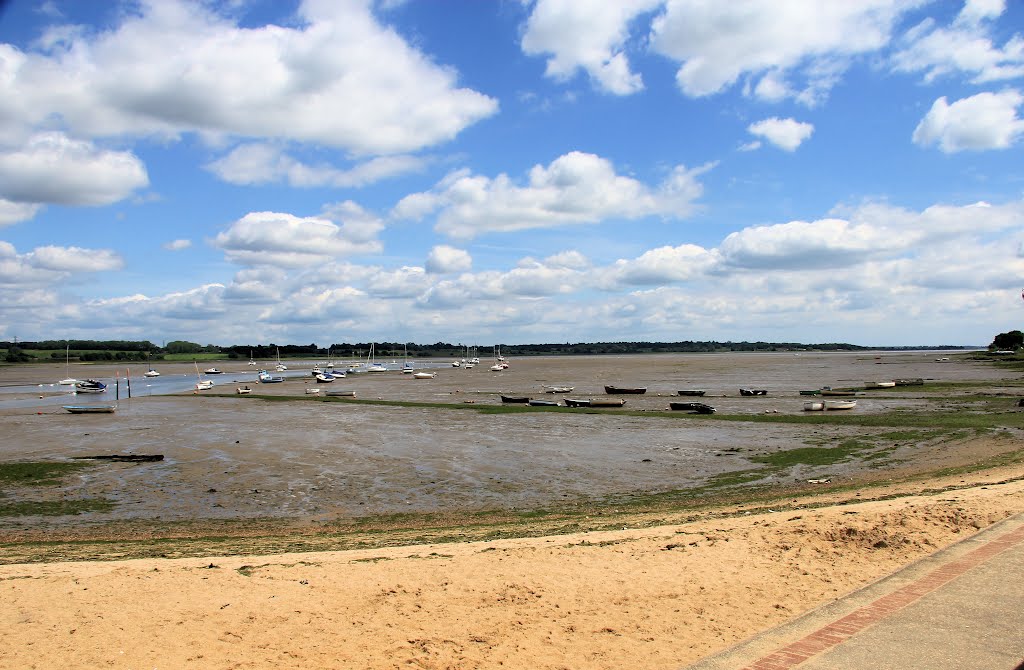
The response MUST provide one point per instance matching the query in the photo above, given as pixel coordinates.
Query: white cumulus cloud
(586, 35)
(787, 134)
(980, 122)
(443, 259)
(52, 168)
(577, 188)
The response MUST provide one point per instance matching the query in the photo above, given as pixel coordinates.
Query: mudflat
(290, 530)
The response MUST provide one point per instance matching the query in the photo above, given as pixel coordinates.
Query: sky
(506, 171)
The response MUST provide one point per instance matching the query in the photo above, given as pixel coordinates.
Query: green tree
(1008, 341)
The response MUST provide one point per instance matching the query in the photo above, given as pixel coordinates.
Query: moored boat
(619, 390)
(213, 371)
(515, 399)
(879, 385)
(424, 375)
(693, 392)
(918, 381)
(577, 402)
(312, 391)
(342, 394)
(558, 389)
(814, 406)
(840, 404)
(151, 373)
(749, 392)
(90, 386)
(243, 390)
(90, 409)
(542, 403)
(837, 392)
(698, 407)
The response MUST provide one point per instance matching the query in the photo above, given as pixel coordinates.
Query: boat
(879, 385)
(840, 404)
(814, 406)
(90, 386)
(280, 367)
(618, 390)
(424, 375)
(514, 399)
(202, 384)
(497, 367)
(542, 403)
(577, 402)
(243, 390)
(837, 392)
(692, 392)
(811, 392)
(68, 380)
(343, 394)
(753, 391)
(909, 382)
(698, 407)
(265, 377)
(252, 361)
(312, 391)
(456, 364)
(90, 409)
(213, 371)
(123, 458)
(324, 377)
(607, 402)
(559, 389)
(151, 373)
(372, 365)
(316, 370)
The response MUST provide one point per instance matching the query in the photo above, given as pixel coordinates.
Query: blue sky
(539, 171)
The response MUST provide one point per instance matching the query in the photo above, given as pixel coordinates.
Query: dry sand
(657, 597)
(662, 591)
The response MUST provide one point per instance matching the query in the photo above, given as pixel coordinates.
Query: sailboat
(152, 373)
(202, 384)
(407, 367)
(281, 367)
(252, 361)
(68, 381)
(372, 365)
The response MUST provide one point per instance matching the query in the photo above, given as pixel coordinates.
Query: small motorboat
(696, 407)
(90, 409)
(204, 385)
(312, 391)
(151, 373)
(324, 377)
(213, 371)
(424, 375)
(90, 386)
(619, 390)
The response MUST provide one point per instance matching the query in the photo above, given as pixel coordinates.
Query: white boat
(280, 367)
(324, 378)
(497, 367)
(814, 406)
(558, 389)
(90, 386)
(252, 361)
(424, 375)
(312, 391)
(151, 373)
(879, 385)
(67, 381)
(213, 371)
(840, 404)
(243, 390)
(202, 384)
(456, 364)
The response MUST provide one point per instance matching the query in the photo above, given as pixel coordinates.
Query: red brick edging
(843, 629)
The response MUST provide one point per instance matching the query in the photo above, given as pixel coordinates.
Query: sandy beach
(316, 571)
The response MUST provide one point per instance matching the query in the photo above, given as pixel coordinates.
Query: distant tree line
(124, 350)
